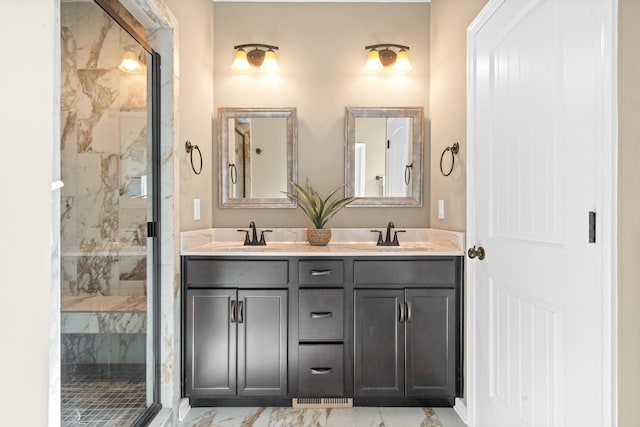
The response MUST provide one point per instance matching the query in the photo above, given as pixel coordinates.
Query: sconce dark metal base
(387, 57)
(255, 57)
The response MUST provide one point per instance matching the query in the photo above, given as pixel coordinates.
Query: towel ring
(233, 171)
(190, 147)
(454, 150)
(407, 173)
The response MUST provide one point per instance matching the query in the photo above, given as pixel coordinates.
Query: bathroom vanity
(265, 325)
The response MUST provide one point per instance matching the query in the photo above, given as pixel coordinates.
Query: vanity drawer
(441, 272)
(320, 314)
(320, 370)
(321, 272)
(204, 272)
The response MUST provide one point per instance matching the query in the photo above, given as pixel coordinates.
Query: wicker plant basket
(318, 236)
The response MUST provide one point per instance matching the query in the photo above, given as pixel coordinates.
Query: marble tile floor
(336, 417)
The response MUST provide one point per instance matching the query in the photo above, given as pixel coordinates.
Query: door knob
(479, 252)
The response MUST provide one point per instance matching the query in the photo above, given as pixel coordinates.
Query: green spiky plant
(318, 210)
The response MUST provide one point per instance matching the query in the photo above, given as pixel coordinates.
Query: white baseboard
(461, 409)
(183, 409)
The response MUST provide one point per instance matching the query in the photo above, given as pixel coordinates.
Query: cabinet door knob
(402, 315)
(409, 311)
(321, 371)
(479, 252)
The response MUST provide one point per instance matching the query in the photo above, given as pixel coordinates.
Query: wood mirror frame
(224, 171)
(415, 167)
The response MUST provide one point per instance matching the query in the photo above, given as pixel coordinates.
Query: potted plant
(318, 210)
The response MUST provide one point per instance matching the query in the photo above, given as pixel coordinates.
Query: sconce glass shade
(373, 62)
(130, 63)
(269, 65)
(240, 62)
(402, 64)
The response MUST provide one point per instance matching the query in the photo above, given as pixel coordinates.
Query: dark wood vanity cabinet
(237, 342)
(408, 329)
(235, 327)
(403, 342)
(263, 330)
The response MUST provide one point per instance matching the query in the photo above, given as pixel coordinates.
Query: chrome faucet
(253, 241)
(387, 241)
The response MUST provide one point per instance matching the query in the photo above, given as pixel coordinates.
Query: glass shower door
(107, 166)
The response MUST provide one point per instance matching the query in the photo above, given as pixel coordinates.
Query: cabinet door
(430, 336)
(210, 365)
(262, 342)
(379, 343)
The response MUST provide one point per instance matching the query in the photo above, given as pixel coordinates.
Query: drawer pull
(321, 272)
(321, 314)
(321, 371)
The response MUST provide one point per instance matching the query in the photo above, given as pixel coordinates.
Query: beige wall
(628, 219)
(28, 133)
(195, 115)
(321, 58)
(448, 106)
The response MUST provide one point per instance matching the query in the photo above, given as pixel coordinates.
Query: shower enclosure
(109, 208)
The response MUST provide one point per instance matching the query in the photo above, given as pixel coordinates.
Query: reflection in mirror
(384, 156)
(257, 151)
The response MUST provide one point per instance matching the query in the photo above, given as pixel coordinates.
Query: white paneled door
(541, 130)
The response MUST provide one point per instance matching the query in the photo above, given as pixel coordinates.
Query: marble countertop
(344, 242)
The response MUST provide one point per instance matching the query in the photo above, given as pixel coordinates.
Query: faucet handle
(246, 236)
(379, 236)
(262, 241)
(395, 236)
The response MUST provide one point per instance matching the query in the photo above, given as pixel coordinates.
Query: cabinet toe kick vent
(322, 402)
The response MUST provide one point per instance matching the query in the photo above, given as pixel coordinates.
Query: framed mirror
(257, 148)
(383, 151)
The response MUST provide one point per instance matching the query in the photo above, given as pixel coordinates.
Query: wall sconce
(262, 56)
(380, 56)
(131, 63)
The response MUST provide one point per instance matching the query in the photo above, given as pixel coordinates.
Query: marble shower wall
(103, 156)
